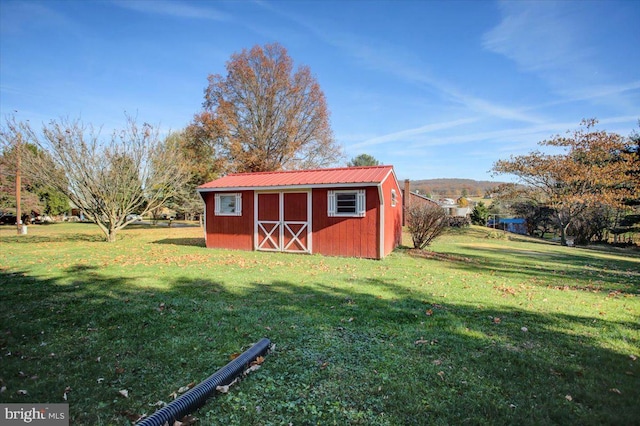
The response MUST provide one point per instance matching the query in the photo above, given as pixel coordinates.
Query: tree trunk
(563, 235)
(111, 236)
(563, 225)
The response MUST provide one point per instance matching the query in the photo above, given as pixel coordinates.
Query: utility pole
(18, 183)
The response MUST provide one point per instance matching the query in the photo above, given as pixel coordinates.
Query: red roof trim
(344, 176)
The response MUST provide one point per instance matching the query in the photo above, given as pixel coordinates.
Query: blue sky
(438, 89)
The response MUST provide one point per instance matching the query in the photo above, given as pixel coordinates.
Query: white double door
(283, 221)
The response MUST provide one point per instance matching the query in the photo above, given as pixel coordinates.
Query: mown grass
(486, 330)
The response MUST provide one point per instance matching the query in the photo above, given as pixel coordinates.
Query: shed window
(228, 204)
(394, 198)
(347, 203)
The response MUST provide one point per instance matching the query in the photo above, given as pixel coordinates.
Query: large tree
(132, 171)
(593, 171)
(203, 164)
(264, 116)
(363, 160)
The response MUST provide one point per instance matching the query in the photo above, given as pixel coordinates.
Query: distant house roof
(423, 197)
(345, 176)
(516, 221)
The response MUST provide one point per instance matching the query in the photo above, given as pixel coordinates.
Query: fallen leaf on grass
(429, 312)
(234, 355)
(436, 362)
(225, 388)
(186, 421)
(422, 341)
(258, 361)
(568, 397)
(133, 417)
(124, 393)
(497, 320)
(441, 374)
(222, 388)
(119, 370)
(3, 389)
(183, 389)
(22, 392)
(251, 369)
(66, 391)
(633, 357)
(615, 390)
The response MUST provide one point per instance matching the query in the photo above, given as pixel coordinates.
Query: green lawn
(487, 330)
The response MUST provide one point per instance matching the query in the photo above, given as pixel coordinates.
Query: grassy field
(486, 330)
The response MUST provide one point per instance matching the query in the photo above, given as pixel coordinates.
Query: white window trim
(361, 204)
(238, 210)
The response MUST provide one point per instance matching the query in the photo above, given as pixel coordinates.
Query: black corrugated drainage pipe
(196, 397)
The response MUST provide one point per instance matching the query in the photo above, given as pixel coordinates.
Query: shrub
(480, 214)
(425, 223)
(458, 221)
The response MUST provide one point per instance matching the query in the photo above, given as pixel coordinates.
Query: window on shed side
(347, 203)
(228, 204)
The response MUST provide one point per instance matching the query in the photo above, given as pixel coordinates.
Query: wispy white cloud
(508, 139)
(18, 18)
(175, 8)
(393, 60)
(403, 135)
(556, 42)
(538, 36)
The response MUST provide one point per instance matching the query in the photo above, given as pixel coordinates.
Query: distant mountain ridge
(453, 188)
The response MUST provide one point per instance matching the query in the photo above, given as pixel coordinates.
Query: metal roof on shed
(370, 175)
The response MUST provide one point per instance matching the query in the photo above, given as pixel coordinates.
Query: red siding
(392, 216)
(232, 232)
(346, 236)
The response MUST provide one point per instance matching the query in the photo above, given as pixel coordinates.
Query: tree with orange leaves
(263, 116)
(594, 171)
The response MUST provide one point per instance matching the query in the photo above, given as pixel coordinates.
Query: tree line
(589, 192)
(263, 115)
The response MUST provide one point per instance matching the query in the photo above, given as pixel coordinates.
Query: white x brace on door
(283, 221)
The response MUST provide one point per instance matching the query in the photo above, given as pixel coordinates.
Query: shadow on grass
(585, 270)
(344, 355)
(56, 238)
(193, 242)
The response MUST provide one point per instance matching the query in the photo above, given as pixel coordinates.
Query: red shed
(351, 211)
